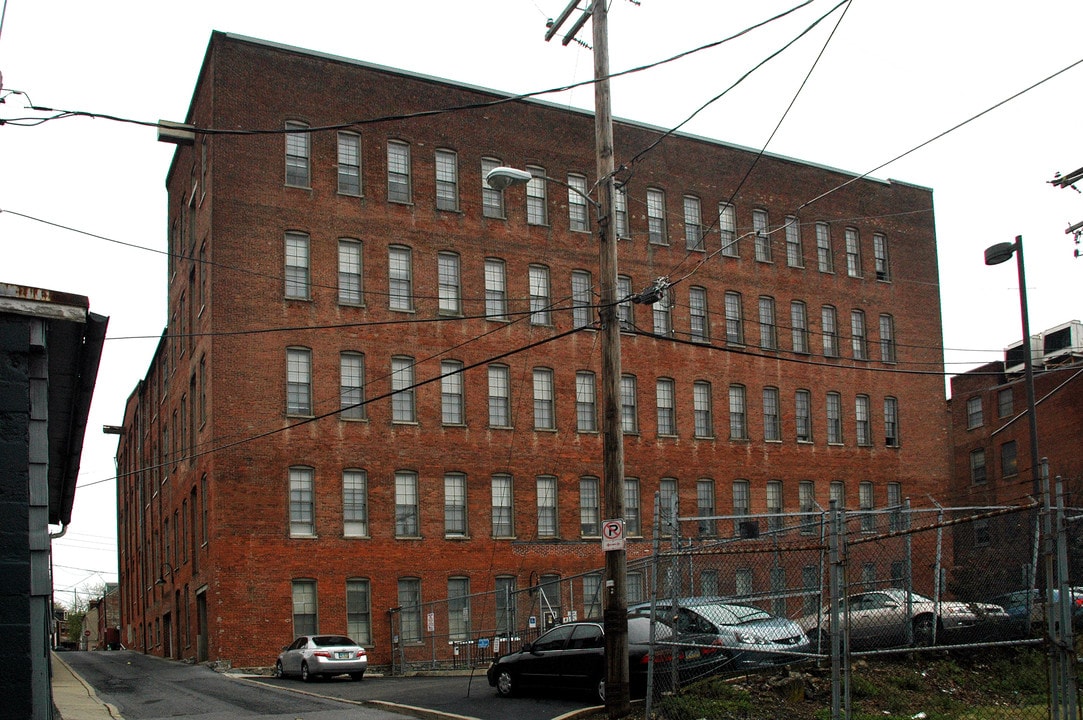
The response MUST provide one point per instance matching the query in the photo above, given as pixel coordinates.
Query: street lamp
(616, 560)
(995, 255)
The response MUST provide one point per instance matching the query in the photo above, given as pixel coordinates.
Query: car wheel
(601, 689)
(305, 674)
(505, 683)
(278, 669)
(924, 630)
(357, 676)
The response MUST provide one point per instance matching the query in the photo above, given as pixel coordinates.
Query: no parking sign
(612, 535)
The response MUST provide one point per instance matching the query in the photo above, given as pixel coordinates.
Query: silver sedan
(315, 656)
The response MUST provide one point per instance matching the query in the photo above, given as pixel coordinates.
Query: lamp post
(995, 255)
(616, 605)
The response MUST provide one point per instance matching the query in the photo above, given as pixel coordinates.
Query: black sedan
(572, 656)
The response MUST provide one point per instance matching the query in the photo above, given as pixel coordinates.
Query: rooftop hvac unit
(1063, 343)
(1015, 355)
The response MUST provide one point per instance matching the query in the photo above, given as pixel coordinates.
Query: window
(857, 335)
(298, 381)
(355, 506)
(592, 596)
(879, 251)
(297, 154)
(1008, 463)
(577, 203)
(895, 504)
(772, 423)
(794, 253)
(861, 414)
(830, 331)
(825, 260)
(304, 607)
(667, 414)
(505, 606)
(400, 278)
(663, 314)
(668, 509)
(589, 507)
(634, 587)
(727, 228)
(349, 163)
(452, 402)
(656, 217)
(449, 283)
(693, 224)
(705, 507)
(406, 508)
(496, 290)
(352, 386)
(547, 506)
(982, 538)
(973, 413)
(806, 499)
(810, 583)
(302, 502)
(977, 466)
(359, 611)
(629, 420)
(763, 238)
(297, 279)
(458, 608)
(398, 172)
(625, 313)
(741, 504)
(535, 197)
(708, 583)
(620, 207)
(447, 180)
(778, 590)
(454, 505)
(502, 506)
(891, 422)
(868, 575)
(865, 500)
(853, 253)
(544, 412)
(402, 389)
(742, 581)
(539, 295)
(887, 339)
(803, 415)
(697, 312)
(492, 201)
(586, 409)
(774, 505)
(735, 334)
(834, 418)
(1005, 403)
(581, 298)
(410, 610)
(499, 396)
(349, 272)
(838, 493)
(738, 420)
(768, 328)
(703, 416)
(799, 327)
(631, 507)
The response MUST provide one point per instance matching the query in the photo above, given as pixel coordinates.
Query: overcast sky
(895, 74)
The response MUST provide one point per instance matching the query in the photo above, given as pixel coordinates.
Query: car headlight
(747, 639)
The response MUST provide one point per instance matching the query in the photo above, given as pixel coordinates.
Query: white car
(314, 656)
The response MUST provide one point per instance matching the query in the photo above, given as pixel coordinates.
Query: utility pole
(617, 702)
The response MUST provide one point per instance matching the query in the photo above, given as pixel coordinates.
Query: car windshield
(732, 614)
(330, 640)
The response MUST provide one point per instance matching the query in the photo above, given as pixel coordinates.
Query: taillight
(715, 646)
(321, 653)
(361, 653)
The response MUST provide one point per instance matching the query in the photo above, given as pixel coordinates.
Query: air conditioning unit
(1015, 355)
(1063, 343)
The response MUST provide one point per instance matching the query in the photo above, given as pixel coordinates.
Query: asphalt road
(144, 687)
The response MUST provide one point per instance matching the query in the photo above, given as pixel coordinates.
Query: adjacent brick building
(378, 383)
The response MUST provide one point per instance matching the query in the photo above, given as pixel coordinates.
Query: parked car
(572, 657)
(1016, 605)
(746, 637)
(880, 619)
(316, 656)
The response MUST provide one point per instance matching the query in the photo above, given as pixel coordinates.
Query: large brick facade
(209, 563)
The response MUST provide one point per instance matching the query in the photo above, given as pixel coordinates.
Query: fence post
(840, 666)
(1064, 647)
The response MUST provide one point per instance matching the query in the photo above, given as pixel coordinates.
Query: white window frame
(452, 395)
(544, 400)
(449, 283)
(351, 284)
(761, 229)
(403, 405)
(727, 229)
(302, 484)
(298, 282)
(702, 410)
(536, 200)
(586, 405)
(298, 381)
(656, 217)
(298, 155)
(540, 295)
(503, 506)
(548, 519)
(407, 507)
(455, 506)
(578, 217)
(349, 164)
(496, 290)
(447, 179)
(795, 254)
(351, 385)
(499, 396)
(693, 224)
(355, 511)
(399, 183)
(665, 391)
(400, 278)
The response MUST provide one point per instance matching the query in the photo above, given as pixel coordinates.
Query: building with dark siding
(378, 385)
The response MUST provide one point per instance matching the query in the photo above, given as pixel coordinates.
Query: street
(145, 687)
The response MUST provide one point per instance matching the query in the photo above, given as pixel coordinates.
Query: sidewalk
(74, 699)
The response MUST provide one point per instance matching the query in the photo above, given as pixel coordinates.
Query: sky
(77, 193)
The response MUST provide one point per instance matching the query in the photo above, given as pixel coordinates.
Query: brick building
(378, 383)
(992, 456)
